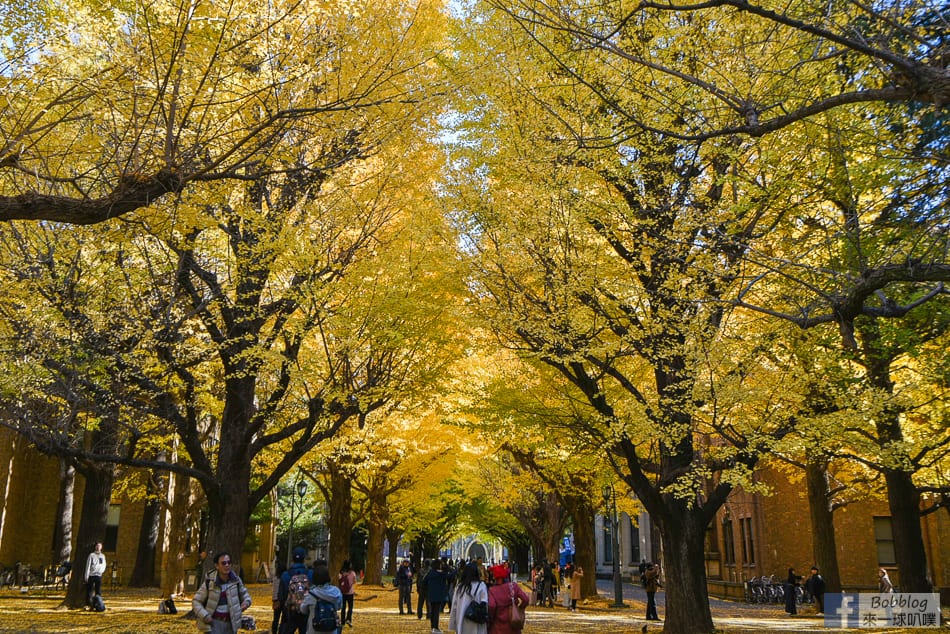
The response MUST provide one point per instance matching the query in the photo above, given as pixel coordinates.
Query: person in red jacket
(501, 596)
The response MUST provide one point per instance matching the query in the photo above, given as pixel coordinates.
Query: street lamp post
(299, 490)
(610, 506)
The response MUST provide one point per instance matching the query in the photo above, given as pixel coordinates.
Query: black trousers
(93, 587)
(435, 609)
(346, 612)
(405, 598)
(651, 607)
(421, 601)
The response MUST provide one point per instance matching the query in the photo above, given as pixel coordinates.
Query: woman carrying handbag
(506, 604)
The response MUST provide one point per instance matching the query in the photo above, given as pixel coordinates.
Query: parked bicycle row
(772, 589)
(26, 577)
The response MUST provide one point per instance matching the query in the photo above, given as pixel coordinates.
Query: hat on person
(299, 553)
(499, 572)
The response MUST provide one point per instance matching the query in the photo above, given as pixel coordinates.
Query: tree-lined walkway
(136, 610)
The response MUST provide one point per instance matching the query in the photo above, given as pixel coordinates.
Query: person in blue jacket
(293, 619)
(322, 591)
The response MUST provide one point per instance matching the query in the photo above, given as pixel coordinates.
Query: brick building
(32, 490)
(755, 535)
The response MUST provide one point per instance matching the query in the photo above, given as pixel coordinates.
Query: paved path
(726, 614)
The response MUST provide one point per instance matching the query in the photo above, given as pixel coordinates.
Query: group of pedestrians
(305, 600)
(502, 604)
(480, 599)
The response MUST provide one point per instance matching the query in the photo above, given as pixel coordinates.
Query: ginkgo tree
(872, 79)
(610, 259)
(703, 75)
(546, 469)
(262, 325)
(108, 107)
(867, 260)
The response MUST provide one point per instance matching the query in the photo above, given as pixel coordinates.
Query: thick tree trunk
(340, 520)
(585, 546)
(393, 535)
(538, 550)
(520, 554)
(555, 521)
(824, 543)
(376, 525)
(92, 528)
(228, 497)
(173, 563)
(63, 532)
(229, 512)
(687, 598)
(903, 498)
(143, 573)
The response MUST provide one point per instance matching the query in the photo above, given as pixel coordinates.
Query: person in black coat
(437, 591)
(791, 583)
(816, 588)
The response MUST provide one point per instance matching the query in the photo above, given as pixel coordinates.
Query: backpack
(297, 589)
(98, 605)
(477, 612)
(167, 606)
(346, 586)
(643, 579)
(324, 616)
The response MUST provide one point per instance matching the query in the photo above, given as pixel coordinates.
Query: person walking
(577, 575)
(347, 582)
(294, 584)
(404, 583)
(322, 593)
(651, 585)
(277, 606)
(422, 597)
(95, 568)
(816, 588)
(504, 597)
(221, 599)
(469, 588)
(437, 591)
(791, 583)
(547, 583)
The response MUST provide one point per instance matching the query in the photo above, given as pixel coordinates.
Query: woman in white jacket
(469, 588)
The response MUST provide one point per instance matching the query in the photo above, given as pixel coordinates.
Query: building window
(634, 542)
(111, 540)
(884, 538)
(608, 543)
(728, 542)
(748, 542)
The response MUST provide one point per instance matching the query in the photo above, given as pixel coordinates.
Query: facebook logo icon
(841, 610)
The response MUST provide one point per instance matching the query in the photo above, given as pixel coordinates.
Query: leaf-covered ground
(135, 611)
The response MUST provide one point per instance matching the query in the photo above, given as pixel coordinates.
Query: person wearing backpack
(323, 602)
(470, 589)
(221, 599)
(295, 582)
(347, 582)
